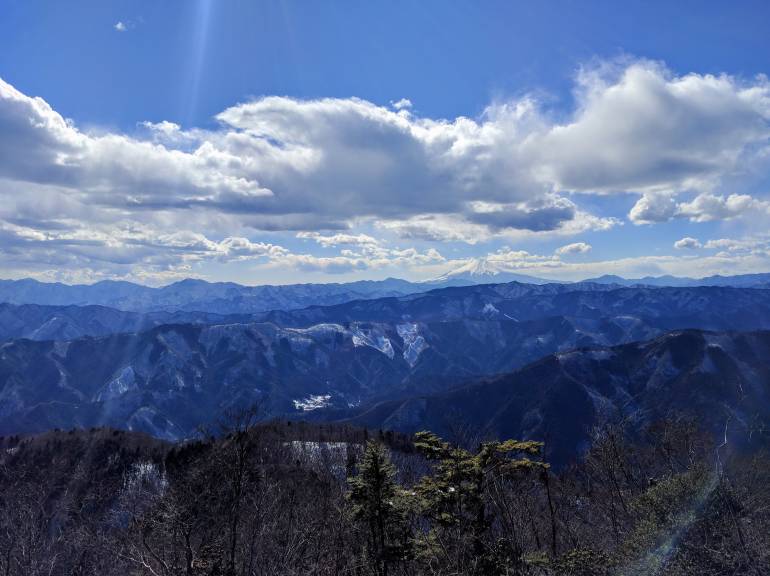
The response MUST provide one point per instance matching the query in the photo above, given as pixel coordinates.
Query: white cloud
(39, 146)
(731, 245)
(403, 104)
(349, 261)
(641, 128)
(287, 163)
(126, 25)
(464, 228)
(139, 253)
(687, 243)
(340, 239)
(77, 198)
(653, 207)
(708, 207)
(574, 248)
(725, 263)
(436, 228)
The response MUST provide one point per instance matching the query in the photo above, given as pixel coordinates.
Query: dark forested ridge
(38, 322)
(294, 498)
(165, 373)
(173, 379)
(721, 379)
(707, 307)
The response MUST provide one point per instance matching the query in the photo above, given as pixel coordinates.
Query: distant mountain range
(739, 281)
(638, 309)
(708, 307)
(200, 296)
(226, 298)
(166, 373)
(486, 271)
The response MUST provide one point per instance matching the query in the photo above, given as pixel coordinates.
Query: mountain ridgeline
(518, 360)
(720, 379)
(201, 296)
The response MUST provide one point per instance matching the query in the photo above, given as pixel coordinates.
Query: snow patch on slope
(373, 338)
(323, 329)
(490, 310)
(119, 385)
(312, 402)
(414, 343)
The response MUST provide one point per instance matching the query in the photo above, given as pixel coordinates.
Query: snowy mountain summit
(486, 271)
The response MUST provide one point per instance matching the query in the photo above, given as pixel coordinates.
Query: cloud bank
(162, 198)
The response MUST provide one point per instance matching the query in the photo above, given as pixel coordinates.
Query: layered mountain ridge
(381, 362)
(201, 296)
(721, 380)
(232, 298)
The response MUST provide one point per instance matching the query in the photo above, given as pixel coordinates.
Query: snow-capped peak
(483, 270)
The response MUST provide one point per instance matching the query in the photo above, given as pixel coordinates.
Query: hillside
(721, 380)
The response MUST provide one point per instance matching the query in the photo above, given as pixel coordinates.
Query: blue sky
(308, 141)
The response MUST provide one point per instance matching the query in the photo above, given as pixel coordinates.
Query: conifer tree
(379, 506)
(454, 497)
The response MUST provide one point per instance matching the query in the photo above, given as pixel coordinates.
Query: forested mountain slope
(721, 380)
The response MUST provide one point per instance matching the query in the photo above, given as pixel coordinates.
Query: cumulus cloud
(120, 26)
(653, 207)
(574, 248)
(320, 167)
(707, 207)
(661, 207)
(687, 243)
(40, 146)
(641, 128)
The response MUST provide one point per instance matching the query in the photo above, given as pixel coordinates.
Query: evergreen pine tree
(379, 506)
(454, 497)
